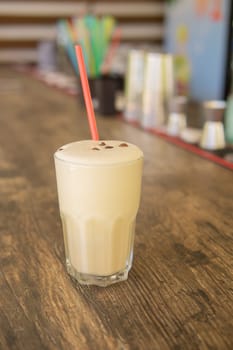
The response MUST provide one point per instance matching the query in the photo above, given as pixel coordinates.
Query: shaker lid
(214, 110)
(178, 104)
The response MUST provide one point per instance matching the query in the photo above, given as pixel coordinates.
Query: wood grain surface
(179, 294)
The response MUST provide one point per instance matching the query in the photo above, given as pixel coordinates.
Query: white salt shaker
(177, 117)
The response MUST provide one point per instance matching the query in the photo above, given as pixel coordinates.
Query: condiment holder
(212, 137)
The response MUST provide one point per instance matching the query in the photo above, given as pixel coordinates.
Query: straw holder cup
(103, 91)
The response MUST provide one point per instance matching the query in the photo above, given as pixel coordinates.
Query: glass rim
(96, 165)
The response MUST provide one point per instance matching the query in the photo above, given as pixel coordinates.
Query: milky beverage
(99, 185)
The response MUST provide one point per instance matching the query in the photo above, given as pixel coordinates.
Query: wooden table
(179, 294)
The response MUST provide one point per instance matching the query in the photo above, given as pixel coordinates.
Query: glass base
(101, 281)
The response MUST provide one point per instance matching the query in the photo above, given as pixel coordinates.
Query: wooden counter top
(179, 294)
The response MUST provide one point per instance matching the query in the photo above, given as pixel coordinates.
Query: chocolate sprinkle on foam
(102, 144)
(123, 145)
(108, 147)
(95, 149)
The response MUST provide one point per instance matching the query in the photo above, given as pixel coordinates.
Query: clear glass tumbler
(99, 185)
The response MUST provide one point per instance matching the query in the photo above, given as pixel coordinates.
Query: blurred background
(155, 51)
(199, 30)
(23, 24)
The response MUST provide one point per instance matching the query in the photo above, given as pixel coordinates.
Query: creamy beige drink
(99, 184)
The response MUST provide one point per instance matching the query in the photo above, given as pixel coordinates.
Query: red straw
(86, 93)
